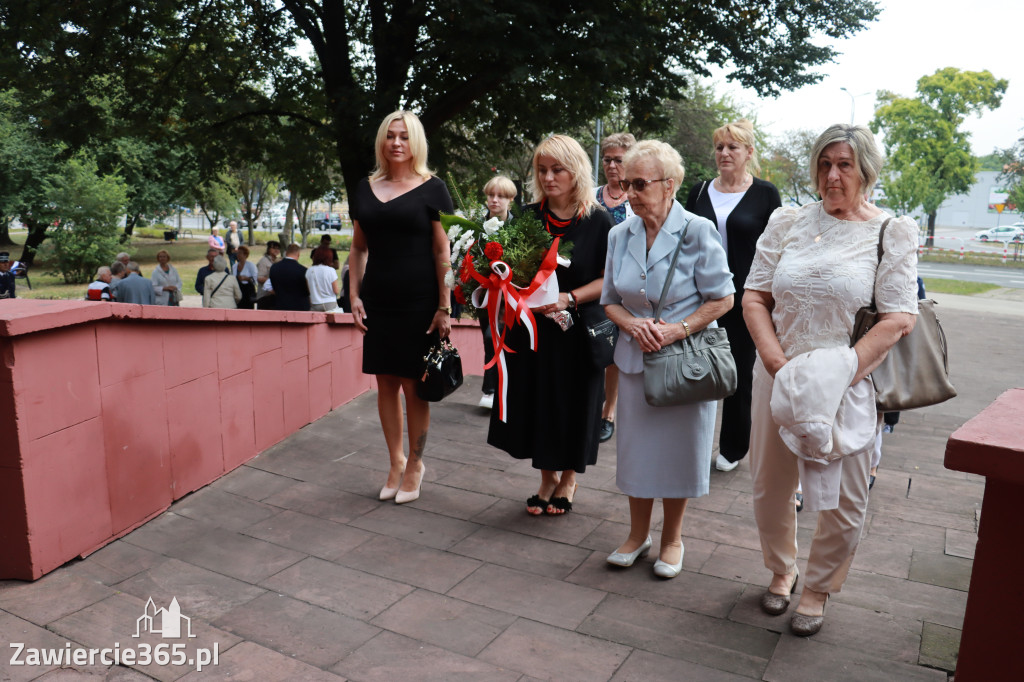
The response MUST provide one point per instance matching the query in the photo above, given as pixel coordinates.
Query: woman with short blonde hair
(740, 204)
(663, 452)
(553, 403)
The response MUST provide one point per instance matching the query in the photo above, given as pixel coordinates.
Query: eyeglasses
(639, 184)
(609, 160)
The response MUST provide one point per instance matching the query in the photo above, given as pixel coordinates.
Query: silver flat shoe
(627, 559)
(777, 604)
(805, 626)
(666, 570)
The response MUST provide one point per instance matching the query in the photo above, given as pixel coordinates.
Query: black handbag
(915, 372)
(601, 334)
(442, 372)
(695, 369)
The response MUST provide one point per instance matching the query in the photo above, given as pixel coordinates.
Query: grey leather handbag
(692, 370)
(915, 372)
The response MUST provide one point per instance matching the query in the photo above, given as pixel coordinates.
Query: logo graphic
(164, 622)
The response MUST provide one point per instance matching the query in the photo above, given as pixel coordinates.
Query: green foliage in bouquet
(523, 243)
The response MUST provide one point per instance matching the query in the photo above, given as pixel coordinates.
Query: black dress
(400, 287)
(555, 394)
(744, 226)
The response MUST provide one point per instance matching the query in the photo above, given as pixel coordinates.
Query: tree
(86, 211)
(504, 69)
(786, 165)
(1012, 175)
(923, 138)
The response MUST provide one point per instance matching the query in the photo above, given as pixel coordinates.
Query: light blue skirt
(662, 451)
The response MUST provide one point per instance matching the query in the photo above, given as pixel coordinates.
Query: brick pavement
(295, 571)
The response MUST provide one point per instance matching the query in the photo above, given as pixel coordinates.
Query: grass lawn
(187, 256)
(956, 286)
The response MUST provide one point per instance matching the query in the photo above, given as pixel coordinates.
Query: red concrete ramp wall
(110, 411)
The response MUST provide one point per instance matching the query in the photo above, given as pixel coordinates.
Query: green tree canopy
(503, 69)
(929, 155)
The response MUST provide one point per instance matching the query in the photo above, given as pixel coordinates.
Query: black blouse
(743, 226)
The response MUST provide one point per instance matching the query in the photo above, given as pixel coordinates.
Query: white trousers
(774, 470)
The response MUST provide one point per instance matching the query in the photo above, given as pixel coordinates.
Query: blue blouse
(634, 278)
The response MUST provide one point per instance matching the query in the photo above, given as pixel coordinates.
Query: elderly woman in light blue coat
(662, 451)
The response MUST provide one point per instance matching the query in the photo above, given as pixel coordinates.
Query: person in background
(245, 272)
(6, 276)
(167, 284)
(118, 271)
(221, 288)
(135, 288)
(322, 280)
(206, 270)
(232, 242)
(216, 242)
(288, 278)
(663, 452)
(740, 204)
(500, 192)
(99, 289)
(616, 202)
(400, 302)
(124, 258)
(325, 242)
(264, 288)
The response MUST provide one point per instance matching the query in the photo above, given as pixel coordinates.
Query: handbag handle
(671, 272)
(881, 251)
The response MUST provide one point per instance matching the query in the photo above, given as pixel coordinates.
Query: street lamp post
(853, 101)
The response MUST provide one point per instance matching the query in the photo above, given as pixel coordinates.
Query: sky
(910, 39)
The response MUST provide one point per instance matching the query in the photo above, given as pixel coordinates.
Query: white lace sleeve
(769, 249)
(896, 278)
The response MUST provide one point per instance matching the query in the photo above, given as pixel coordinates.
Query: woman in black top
(399, 300)
(740, 204)
(554, 395)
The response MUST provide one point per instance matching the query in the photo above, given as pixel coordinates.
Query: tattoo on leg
(417, 448)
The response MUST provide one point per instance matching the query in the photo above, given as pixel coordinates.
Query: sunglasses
(639, 184)
(609, 160)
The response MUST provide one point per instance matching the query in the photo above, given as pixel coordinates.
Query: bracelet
(446, 309)
(572, 300)
(686, 330)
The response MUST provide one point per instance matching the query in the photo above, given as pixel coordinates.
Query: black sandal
(564, 504)
(536, 502)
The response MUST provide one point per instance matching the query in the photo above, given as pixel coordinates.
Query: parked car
(329, 223)
(1003, 233)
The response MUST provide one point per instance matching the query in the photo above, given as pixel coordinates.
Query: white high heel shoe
(387, 493)
(626, 559)
(403, 496)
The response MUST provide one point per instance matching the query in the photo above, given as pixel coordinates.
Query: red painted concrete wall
(111, 411)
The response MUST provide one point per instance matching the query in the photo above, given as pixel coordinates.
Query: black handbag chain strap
(671, 272)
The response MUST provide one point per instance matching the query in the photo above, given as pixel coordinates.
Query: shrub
(87, 207)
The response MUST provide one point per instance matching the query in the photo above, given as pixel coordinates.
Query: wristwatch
(572, 301)
(447, 309)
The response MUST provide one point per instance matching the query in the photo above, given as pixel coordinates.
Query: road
(1004, 277)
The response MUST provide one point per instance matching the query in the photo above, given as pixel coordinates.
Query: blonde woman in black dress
(554, 394)
(397, 265)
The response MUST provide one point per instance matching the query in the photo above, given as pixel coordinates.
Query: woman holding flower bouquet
(553, 404)
(400, 301)
(662, 451)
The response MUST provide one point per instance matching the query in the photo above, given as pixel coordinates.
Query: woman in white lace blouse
(815, 266)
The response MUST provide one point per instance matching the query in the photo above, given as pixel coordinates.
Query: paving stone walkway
(294, 571)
